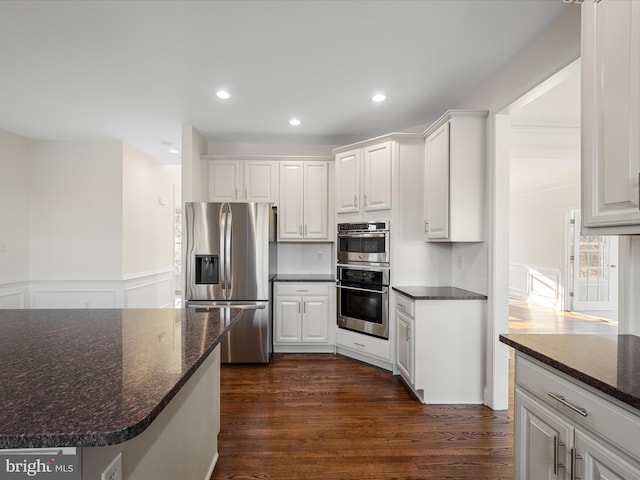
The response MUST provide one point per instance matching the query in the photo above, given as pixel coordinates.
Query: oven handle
(384, 291)
(366, 234)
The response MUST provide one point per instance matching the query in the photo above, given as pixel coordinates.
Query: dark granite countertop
(302, 277)
(96, 377)
(439, 293)
(608, 363)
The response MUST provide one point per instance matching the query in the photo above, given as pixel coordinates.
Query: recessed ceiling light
(295, 122)
(173, 150)
(223, 94)
(379, 97)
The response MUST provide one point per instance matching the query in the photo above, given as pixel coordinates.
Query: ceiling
(545, 135)
(139, 70)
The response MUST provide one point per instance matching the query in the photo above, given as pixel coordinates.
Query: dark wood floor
(330, 417)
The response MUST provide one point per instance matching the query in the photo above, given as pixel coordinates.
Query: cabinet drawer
(301, 289)
(364, 344)
(616, 424)
(406, 305)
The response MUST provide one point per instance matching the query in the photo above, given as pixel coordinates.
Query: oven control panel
(363, 227)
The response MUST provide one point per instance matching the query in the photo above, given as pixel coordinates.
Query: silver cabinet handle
(556, 454)
(365, 199)
(355, 200)
(574, 464)
(563, 401)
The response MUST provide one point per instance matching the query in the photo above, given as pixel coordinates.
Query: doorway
(544, 184)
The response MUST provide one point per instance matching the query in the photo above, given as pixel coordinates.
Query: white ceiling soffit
(138, 70)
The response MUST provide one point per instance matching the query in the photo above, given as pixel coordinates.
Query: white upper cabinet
(376, 177)
(225, 181)
(363, 179)
(454, 209)
(348, 181)
(611, 116)
(303, 207)
(242, 181)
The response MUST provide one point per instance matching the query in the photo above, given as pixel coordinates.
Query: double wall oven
(363, 277)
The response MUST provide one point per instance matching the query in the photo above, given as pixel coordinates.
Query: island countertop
(608, 363)
(96, 377)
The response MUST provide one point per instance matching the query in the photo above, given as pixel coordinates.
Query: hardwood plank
(325, 416)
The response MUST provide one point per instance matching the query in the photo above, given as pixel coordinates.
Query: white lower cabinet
(304, 318)
(564, 431)
(439, 348)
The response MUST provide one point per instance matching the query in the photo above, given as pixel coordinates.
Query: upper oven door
(363, 247)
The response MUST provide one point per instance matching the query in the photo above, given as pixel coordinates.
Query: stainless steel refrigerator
(230, 259)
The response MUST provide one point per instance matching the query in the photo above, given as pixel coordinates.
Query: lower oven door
(364, 310)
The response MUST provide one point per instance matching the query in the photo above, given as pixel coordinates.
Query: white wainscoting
(76, 294)
(14, 295)
(154, 290)
(145, 290)
(535, 284)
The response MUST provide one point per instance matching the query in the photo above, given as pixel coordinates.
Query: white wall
(76, 210)
(62, 217)
(14, 208)
(312, 258)
(194, 171)
(537, 221)
(147, 214)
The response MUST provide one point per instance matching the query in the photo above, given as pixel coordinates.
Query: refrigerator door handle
(228, 246)
(222, 224)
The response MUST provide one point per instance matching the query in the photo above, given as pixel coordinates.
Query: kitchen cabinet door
(405, 346)
(347, 181)
(594, 460)
(543, 441)
(288, 321)
(260, 180)
(315, 313)
(437, 190)
(290, 208)
(225, 181)
(376, 180)
(610, 116)
(315, 217)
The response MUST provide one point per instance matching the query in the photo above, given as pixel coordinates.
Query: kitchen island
(577, 406)
(143, 383)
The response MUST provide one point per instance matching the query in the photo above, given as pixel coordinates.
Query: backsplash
(311, 258)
